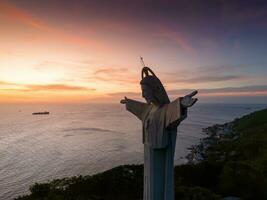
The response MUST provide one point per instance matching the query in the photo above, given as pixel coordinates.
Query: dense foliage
(233, 166)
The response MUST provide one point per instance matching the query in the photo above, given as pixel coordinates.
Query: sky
(89, 51)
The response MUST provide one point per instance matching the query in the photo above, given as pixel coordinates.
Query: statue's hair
(155, 84)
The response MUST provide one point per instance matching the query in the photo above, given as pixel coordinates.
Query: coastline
(229, 163)
(215, 134)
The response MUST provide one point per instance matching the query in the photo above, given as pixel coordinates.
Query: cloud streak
(256, 90)
(11, 11)
(210, 74)
(175, 37)
(3, 83)
(207, 79)
(125, 76)
(113, 74)
(57, 87)
(20, 15)
(228, 91)
(45, 87)
(24, 17)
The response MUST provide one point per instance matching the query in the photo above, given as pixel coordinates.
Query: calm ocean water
(85, 139)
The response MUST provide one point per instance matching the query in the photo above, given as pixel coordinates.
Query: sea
(84, 139)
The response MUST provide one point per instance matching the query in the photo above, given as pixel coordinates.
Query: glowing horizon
(77, 54)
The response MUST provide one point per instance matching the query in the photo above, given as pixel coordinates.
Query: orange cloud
(15, 97)
(45, 93)
(3, 83)
(119, 75)
(58, 87)
(20, 15)
(47, 87)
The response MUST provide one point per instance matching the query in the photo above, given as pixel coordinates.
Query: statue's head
(152, 89)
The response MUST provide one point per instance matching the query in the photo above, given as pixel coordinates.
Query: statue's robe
(159, 138)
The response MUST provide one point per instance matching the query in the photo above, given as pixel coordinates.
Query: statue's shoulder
(175, 102)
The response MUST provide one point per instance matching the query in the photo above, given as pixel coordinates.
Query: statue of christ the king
(160, 119)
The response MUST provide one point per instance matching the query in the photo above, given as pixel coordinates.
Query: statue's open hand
(123, 101)
(188, 101)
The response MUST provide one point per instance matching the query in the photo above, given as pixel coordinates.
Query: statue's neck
(155, 104)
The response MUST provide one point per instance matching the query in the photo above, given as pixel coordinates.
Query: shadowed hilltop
(232, 161)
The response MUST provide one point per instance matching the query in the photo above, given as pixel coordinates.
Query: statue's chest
(155, 119)
(154, 129)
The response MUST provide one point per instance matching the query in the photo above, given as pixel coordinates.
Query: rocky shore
(216, 134)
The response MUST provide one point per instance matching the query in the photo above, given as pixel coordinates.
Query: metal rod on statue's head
(145, 69)
(142, 61)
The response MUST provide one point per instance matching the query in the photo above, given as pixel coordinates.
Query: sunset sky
(88, 51)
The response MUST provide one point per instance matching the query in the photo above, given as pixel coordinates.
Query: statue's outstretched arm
(177, 110)
(136, 107)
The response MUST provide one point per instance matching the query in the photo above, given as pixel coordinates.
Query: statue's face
(148, 94)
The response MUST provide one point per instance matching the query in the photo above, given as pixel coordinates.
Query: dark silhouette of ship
(41, 113)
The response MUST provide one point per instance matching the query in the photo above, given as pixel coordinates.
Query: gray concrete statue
(160, 119)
